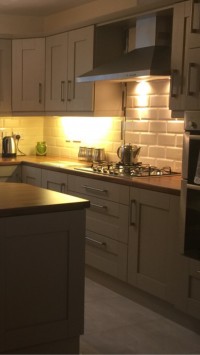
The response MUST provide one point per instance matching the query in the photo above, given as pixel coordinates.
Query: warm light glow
(143, 89)
(89, 131)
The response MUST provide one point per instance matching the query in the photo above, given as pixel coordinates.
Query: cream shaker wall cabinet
(28, 74)
(68, 55)
(5, 75)
(185, 81)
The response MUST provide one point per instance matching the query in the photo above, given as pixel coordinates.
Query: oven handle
(193, 187)
(194, 137)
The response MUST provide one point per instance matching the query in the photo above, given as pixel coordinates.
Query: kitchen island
(41, 270)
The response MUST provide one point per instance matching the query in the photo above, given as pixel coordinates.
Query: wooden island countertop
(23, 199)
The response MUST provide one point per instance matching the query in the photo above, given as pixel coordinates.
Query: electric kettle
(9, 147)
(128, 153)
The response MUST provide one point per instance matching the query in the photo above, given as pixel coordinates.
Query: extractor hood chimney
(150, 59)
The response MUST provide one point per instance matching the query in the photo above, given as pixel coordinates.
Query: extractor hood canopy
(150, 59)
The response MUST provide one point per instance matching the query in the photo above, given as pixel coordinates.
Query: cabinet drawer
(31, 175)
(98, 188)
(106, 255)
(107, 218)
(55, 181)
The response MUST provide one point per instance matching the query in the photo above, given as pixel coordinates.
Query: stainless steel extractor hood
(150, 59)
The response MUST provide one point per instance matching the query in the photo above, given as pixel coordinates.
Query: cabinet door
(31, 175)
(80, 60)
(28, 71)
(153, 230)
(194, 34)
(55, 181)
(192, 100)
(11, 173)
(56, 72)
(5, 75)
(179, 51)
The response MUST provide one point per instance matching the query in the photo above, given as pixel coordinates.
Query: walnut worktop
(166, 184)
(23, 199)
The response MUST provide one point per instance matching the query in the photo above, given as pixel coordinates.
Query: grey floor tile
(117, 325)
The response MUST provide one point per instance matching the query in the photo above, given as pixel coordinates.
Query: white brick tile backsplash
(167, 139)
(151, 127)
(158, 126)
(148, 138)
(159, 101)
(157, 152)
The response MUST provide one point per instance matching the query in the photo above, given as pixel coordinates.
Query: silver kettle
(9, 147)
(128, 153)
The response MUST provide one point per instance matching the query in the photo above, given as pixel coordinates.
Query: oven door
(190, 220)
(191, 158)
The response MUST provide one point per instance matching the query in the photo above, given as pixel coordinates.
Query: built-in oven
(190, 187)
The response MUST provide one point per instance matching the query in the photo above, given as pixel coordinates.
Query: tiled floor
(117, 325)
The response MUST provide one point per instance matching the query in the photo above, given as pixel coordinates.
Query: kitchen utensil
(99, 154)
(9, 149)
(41, 148)
(128, 153)
(82, 153)
(89, 154)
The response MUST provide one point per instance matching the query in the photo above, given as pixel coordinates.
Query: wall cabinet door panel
(56, 72)
(5, 75)
(28, 74)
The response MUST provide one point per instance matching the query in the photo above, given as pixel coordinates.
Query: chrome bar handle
(69, 90)
(62, 91)
(174, 83)
(40, 93)
(98, 206)
(193, 187)
(133, 212)
(100, 244)
(63, 187)
(94, 189)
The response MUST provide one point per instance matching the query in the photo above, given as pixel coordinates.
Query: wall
(148, 124)
(30, 129)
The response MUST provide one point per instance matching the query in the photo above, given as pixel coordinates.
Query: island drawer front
(106, 255)
(98, 188)
(107, 218)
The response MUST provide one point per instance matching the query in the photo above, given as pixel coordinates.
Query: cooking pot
(128, 153)
(9, 147)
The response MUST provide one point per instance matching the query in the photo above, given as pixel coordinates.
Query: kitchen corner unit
(41, 270)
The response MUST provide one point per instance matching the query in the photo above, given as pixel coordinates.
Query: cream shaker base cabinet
(31, 175)
(42, 281)
(28, 74)
(11, 173)
(106, 224)
(55, 181)
(152, 241)
(69, 55)
(5, 75)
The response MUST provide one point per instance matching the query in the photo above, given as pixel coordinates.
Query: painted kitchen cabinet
(181, 19)
(10, 173)
(152, 240)
(187, 295)
(53, 180)
(185, 58)
(106, 224)
(31, 175)
(68, 55)
(28, 74)
(5, 75)
(41, 269)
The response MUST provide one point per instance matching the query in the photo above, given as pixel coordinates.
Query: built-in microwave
(190, 187)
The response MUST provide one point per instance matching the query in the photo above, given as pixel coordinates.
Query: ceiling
(38, 7)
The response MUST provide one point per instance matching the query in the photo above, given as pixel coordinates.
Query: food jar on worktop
(41, 148)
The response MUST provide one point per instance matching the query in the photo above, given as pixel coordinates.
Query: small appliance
(9, 149)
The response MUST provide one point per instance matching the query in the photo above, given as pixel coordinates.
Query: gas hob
(121, 170)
